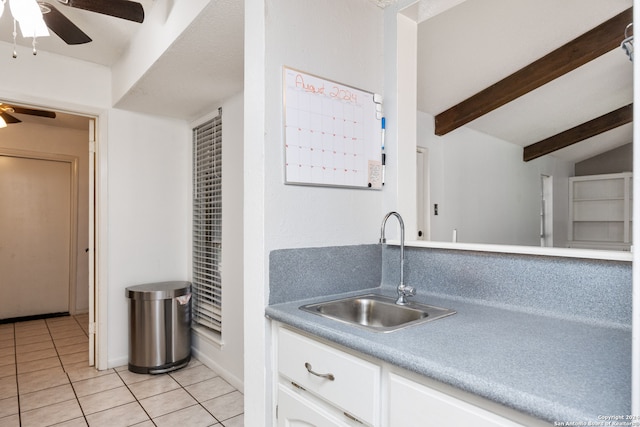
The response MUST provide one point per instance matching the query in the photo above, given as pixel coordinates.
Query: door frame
(73, 229)
(98, 259)
(423, 194)
(546, 210)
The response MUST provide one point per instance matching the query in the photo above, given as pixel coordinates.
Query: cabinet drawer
(294, 410)
(355, 387)
(415, 405)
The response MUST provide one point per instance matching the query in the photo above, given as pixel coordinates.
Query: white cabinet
(366, 391)
(412, 404)
(294, 410)
(600, 211)
(346, 382)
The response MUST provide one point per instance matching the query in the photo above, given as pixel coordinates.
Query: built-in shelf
(600, 211)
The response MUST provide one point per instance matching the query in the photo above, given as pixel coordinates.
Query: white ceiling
(464, 46)
(110, 35)
(204, 66)
(198, 71)
(476, 43)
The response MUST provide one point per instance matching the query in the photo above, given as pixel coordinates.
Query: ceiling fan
(70, 33)
(6, 110)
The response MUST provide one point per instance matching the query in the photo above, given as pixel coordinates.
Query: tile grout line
(221, 422)
(66, 373)
(15, 358)
(194, 398)
(77, 399)
(198, 403)
(55, 347)
(135, 397)
(51, 327)
(53, 341)
(78, 323)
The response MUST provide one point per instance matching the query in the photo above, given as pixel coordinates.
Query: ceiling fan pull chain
(35, 52)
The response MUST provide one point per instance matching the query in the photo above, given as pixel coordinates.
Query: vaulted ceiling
(477, 43)
(464, 47)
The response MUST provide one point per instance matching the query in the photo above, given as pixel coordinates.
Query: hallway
(45, 380)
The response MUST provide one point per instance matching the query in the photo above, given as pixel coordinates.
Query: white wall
(73, 142)
(227, 358)
(148, 211)
(341, 41)
(51, 80)
(486, 192)
(335, 39)
(256, 389)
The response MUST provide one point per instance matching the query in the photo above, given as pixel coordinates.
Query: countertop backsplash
(297, 274)
(587, 290)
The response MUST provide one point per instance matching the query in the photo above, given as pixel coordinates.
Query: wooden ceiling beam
(592, 44)
(594, 127)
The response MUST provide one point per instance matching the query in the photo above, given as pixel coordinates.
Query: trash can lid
(157, 291)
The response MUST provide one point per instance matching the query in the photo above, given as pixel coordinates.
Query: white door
(422, 194)
(546, 211)
(35, 236)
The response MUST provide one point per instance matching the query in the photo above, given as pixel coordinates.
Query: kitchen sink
(376, 312)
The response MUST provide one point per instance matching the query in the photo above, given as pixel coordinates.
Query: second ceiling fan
(71, 33)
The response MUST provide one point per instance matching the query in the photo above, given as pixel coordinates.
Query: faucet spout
(403, 290)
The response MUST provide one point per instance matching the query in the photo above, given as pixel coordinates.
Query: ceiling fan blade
(63, 27)
(33, 112)
(8, 118)
(124, 9)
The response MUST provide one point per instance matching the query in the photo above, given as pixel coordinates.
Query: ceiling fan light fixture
(3, 124)
(37, 17)
(34, 29)
(29, 16)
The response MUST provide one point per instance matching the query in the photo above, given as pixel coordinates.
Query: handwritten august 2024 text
(335, 92)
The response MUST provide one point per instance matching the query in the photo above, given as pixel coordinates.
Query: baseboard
(236, 382)
(117, 362)
(34, 317)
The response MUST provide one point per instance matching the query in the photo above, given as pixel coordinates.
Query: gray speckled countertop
(550, 367)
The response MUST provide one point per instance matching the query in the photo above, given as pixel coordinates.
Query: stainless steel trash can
(159, 326)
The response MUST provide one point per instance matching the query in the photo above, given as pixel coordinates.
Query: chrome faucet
(403, 291)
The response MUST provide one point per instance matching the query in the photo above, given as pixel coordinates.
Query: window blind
(207, 224)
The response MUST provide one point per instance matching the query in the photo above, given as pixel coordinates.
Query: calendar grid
(328, 132)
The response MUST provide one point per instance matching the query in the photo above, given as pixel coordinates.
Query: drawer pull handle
(330, 377)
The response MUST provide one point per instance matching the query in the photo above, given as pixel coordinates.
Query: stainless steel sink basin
(376, 312)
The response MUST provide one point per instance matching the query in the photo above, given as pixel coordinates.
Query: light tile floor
(45, 380)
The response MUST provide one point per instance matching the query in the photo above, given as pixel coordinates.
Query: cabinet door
(354, 385)
(415, 405)
(296, 411)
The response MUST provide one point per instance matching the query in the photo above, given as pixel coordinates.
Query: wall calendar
(333, 133)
